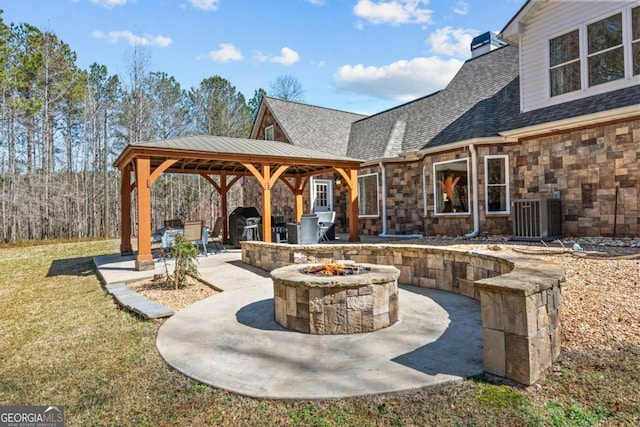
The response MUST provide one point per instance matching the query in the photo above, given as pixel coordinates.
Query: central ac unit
(536, 219)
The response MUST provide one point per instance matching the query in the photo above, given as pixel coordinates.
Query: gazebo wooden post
(298, 192)
(354, 226)
(125, 211)
(223, 201)
(144, 260)
(266, 202)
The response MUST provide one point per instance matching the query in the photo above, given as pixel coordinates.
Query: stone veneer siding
(520, 298)
(584, 165)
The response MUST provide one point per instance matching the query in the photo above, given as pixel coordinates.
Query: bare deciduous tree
(287, 87)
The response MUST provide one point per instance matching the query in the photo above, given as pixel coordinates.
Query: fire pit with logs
(335, 298)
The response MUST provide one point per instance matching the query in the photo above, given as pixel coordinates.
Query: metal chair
(216, 234)
(194, 231)
(251, 229)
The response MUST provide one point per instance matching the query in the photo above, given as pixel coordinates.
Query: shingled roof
(309, 126)
(463, 110)
(511, 118)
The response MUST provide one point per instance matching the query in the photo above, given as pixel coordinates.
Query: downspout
(474, 193)
(424, 190)
(383, 175)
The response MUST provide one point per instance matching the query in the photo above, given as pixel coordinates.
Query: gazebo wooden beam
(266, 180)
(223, 189)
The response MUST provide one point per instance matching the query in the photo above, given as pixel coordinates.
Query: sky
(361, 56)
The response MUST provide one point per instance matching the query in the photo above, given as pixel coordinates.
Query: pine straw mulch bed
(157, 289)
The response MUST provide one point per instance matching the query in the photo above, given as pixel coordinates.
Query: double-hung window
(595, 53)
(635, 37)
(605, 50)
(496, 172)
(564, 61)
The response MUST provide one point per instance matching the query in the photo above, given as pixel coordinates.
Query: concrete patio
(232, 341)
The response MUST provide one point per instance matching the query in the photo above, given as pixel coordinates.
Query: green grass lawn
(64, 342)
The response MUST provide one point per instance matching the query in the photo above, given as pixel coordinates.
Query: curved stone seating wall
(519, 298)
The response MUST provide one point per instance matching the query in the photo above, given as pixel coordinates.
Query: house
(547, 110)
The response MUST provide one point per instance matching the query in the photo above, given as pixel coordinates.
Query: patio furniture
(216, 234)
(237, 222)
(194, 231)
(172, 223)
(251, 229)
(278, 229)
(326, 222)
(168, 236)
(308, 232)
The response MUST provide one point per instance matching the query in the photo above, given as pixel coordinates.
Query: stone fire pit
(318, 304)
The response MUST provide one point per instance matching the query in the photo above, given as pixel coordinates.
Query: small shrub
(185, 254)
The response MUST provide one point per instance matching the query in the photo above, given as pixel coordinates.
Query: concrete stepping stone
(135, 302)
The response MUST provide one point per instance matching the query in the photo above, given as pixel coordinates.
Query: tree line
(61, 127)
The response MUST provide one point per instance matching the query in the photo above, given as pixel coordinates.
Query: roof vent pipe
(474, 192)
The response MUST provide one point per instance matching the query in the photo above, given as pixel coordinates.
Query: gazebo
(141, 163)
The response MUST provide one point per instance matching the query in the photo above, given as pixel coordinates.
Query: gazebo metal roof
(231, 159)
(214, 154)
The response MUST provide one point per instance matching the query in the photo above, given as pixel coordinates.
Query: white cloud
(399, 81)
(133, 39)
(226, 53)
(394, 12)
(206, 5)
(111, 3)
(462, 8)
(287, 56)
(452, 41)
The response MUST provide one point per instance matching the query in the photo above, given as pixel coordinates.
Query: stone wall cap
(523, 280)
(292, 275)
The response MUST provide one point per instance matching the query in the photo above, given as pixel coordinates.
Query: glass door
(322, 195)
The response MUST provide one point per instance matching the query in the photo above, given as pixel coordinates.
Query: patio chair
(325, 222)
(216, 234)
(172, 223)
(194, 231)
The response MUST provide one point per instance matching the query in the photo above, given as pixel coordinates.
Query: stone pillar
(521, 325)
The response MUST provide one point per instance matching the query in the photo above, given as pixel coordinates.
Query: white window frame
(266, 133)
(551, 67)
(586, 90)
(629, 48)
(435, 189)
(361, 199)
(585, 49)
(506, 184)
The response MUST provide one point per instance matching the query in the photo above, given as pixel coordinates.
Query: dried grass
(63, 341)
